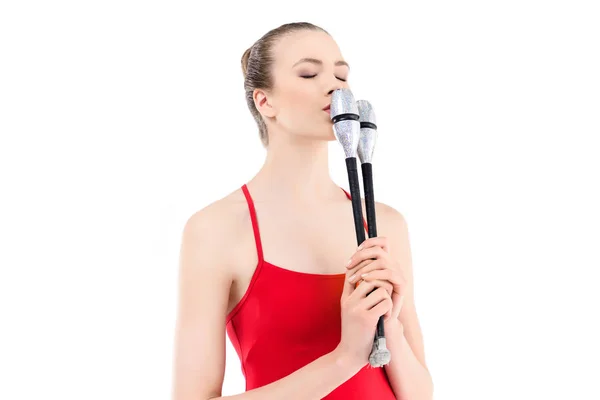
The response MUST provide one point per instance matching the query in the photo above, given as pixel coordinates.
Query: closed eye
(312, 76)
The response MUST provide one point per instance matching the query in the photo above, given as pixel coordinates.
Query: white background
(119, 119)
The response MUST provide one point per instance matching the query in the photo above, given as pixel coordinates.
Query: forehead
(294, 46)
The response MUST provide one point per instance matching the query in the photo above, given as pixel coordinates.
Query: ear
(262, 102)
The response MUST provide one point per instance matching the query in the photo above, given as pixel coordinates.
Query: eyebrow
(319, 62)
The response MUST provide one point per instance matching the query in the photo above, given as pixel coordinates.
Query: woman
(269, 264)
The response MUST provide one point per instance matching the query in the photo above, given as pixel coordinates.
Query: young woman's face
(303, 88)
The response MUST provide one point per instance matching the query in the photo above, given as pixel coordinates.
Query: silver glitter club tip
(347, 131)
(380, 355)
(368, 135)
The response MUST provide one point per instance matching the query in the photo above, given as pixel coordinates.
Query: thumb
(348, 287)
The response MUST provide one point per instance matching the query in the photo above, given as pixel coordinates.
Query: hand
(373, 258)
(360, 309)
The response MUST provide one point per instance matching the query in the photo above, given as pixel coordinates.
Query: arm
(407, 371)
(204, 285)
(409, 379)
(311, 382)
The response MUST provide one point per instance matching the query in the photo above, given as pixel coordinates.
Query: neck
(296, 171)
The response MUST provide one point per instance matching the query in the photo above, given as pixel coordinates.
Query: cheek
(302, 103)
(299, 109)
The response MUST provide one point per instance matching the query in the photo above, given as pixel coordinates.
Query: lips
(327, 107)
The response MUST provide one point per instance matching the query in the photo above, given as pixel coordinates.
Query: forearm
(311, 382)
(409, 379)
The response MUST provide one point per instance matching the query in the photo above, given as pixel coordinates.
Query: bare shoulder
(219, 218)
(391, 217)
(205, 281)
(217, 224)
(392, 224)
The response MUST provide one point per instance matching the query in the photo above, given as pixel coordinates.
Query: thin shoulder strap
(364, 220)
(254, 222)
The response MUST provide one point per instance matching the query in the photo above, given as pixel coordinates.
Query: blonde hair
(257, 63)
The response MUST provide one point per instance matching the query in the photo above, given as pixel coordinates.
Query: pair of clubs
(355, 129)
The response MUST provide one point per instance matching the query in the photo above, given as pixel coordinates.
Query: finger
(382, 307)
(359, 267)
(365, 254)
(397, 301)
(365, 288)
(389, 288)
(370, 301)
(381, 241)
(348, 288)
(385, 274)
(357, 272)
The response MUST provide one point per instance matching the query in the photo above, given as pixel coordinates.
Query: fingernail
(365, 274)
(351, 279)
(349, 262)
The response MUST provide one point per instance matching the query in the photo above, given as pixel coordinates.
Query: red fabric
(287, 319)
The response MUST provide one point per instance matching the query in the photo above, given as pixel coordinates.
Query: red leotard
(287, 319)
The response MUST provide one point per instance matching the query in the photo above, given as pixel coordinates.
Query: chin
(331, 135)
(319, 133)
(327, 135)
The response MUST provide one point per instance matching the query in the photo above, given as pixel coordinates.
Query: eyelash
(312, 76)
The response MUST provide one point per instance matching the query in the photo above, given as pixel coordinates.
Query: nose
(336, 84)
